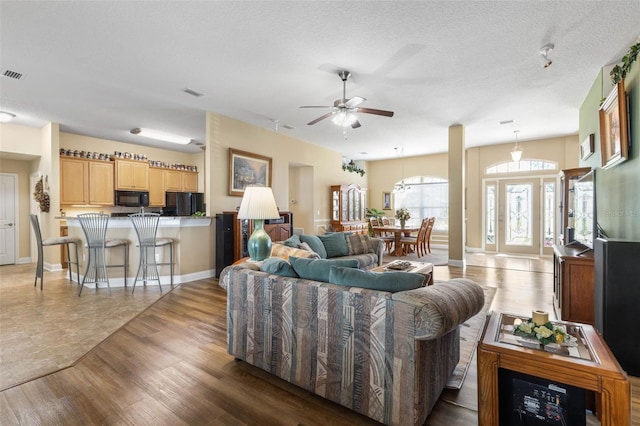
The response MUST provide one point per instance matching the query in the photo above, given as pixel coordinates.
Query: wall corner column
(457, 206)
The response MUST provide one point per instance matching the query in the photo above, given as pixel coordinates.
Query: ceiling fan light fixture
(544, 55)
(344, 118)
(5, 117)
(161, 136)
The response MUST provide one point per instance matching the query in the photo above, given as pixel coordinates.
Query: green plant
(620, 71)
(371, 212)
(353, 168)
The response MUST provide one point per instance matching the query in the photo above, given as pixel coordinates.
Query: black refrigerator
(183, 203)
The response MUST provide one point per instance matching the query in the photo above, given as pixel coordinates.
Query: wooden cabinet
(573, 284)
(278, 230)
(156, 187)
(86, 182)
(132, 175)
(568, 178)
(348, 208)
(505, 364)
(180, 181)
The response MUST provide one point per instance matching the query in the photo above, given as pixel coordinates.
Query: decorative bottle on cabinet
(348, 208)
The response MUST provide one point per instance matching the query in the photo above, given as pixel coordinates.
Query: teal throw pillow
(318, 269)
(292, 241)
(278, 266)
(315, 244)
(334, 244)
(383, 281)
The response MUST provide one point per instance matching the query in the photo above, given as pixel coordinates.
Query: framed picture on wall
(386, 201)
(587, 146)
(247, 169)
(614, 138)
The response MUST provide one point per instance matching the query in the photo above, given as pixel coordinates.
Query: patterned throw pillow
(282, 251)
(359, 244)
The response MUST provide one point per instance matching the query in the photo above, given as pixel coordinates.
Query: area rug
(437, 257)
(470, 332)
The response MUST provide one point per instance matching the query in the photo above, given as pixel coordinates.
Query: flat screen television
(584, 210)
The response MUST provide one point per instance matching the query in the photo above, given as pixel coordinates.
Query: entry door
(519, 216)
(7, 219)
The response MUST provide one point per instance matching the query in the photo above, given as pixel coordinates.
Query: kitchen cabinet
(348, 208)
(180, 181)
(132, 175)
(86, 182)
(156, 187)
(573, 284)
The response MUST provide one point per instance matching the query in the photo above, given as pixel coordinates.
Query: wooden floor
(169, 366)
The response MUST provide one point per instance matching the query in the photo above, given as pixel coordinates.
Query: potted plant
(402, 214)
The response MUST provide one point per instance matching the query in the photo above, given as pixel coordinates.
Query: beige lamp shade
(258, 203)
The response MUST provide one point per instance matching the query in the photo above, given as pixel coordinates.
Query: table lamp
(258, 204)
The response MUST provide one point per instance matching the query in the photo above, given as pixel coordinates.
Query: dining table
(398, 232)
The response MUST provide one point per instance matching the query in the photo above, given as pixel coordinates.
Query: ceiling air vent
(192, 92)
(12, 74)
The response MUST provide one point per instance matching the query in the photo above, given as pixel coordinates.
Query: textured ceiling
(103, 68)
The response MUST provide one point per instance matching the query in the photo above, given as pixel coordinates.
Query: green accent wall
(617, 188)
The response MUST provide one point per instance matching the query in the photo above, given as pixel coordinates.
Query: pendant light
(401, 187)
(516, 154)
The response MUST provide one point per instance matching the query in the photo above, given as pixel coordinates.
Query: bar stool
(146, 226)
(52, 242)
(94, 226)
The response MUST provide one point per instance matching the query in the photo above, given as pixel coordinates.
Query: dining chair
(58, 241)
(146, 226)
(94, 226)
(426, 244)
(414, 243)
(388, 239)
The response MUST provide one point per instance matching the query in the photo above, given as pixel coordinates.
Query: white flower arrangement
(403, 214)
(545, 333)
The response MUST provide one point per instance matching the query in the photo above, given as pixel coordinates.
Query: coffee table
(421, 268)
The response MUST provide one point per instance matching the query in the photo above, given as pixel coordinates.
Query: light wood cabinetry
(573, 284)
(348, 208)
(132, 175)
(162, 180)
(156, 187)
(180, 181)
(86, 182)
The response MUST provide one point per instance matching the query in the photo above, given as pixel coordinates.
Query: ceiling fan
(343, 110)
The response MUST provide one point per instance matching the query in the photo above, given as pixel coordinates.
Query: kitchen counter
(193, 248)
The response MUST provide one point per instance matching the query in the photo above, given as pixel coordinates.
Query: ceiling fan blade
(356, 100)
(329, 114)
(376, 111)
(355, 124)
(316, 106)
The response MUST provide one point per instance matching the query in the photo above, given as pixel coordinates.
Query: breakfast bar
(193, 248)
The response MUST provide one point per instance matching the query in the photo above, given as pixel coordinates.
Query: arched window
(521, 166)
(425, 196)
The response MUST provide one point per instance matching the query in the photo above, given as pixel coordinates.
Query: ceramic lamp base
(259, 244)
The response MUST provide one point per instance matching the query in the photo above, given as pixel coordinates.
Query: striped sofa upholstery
(385, 355)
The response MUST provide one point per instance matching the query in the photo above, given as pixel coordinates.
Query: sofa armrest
(441, 307)
(379, 249)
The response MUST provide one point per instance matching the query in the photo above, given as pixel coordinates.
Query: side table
(590, 366)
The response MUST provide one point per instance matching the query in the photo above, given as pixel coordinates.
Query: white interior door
(8, 227)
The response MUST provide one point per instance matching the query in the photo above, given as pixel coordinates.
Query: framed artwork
(614, 139)
(587, 146)
(247, 169)
(386, 201)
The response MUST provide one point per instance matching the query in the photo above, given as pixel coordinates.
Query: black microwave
(132, 198)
